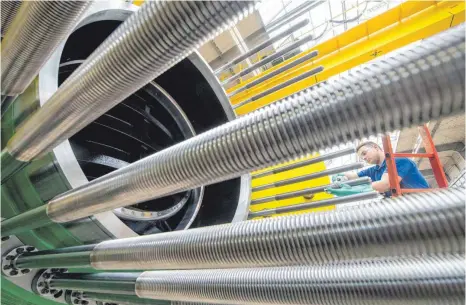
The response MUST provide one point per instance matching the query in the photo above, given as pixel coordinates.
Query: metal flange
(73, 297)
(41, 283)
(9, 268)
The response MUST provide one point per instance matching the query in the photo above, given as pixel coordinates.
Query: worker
(409, 176)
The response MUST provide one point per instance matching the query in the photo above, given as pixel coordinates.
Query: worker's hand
(339, 178)
(345, 189)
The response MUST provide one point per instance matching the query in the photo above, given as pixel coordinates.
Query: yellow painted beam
(138, 2)
(406, 23)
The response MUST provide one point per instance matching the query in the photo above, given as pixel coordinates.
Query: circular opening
(145, 123)
(182, 102)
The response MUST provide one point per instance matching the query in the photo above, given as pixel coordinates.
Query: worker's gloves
(342, 189)
(339, 178)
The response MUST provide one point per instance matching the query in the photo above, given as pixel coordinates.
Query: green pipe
(114, 283)
(60, 260)
(28, 220)
(9, 165)
(123, 299)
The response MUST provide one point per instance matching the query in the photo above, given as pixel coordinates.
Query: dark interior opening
(141, 125)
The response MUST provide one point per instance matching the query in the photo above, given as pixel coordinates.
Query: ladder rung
(409, 155)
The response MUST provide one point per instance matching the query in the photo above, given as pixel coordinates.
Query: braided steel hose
(38, 28)
(408, 225)
(148, 43)
(408, 280)
(8, 11)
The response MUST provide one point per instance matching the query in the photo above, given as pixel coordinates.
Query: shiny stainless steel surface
(126, 61)
(324, 173)
(281, 86)
(273, 73)
(37, 29)
(66, 161)
(270, 58)
(310, 191)
(408, 280)
(372, 195)
(344, 109)
(408, 225)
(8, 10)
(313, 160)
(263, 45)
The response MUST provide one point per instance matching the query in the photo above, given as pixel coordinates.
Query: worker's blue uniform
(411, 177)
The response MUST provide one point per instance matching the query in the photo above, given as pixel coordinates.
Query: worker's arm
(383, 185)
(351, 175)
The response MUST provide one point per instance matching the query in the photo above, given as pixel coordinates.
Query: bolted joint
(41, 283)
(9, 268)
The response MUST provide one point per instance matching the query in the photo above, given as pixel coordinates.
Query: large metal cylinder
(157, 116)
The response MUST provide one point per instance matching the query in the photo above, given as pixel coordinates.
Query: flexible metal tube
(149, 42)
(408, 280)
(414, 224)
(414, 85)
(314, 160)
(38, 28)
(270, 58)
(263, 45)
(327, 172)
(309, 191)
(8, 10)
(315, 204)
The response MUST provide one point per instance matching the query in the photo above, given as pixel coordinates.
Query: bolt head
(19, 250)
(76, 301)
(13, 272)
(25, 271)
(46, 275)
(84, 302)
(7, 267)
(9, 257)
(30, 249)
(5, 238)
(41, 284)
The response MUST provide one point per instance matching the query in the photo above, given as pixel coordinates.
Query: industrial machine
(125, 175)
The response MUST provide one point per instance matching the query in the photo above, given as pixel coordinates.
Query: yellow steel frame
(406, 23)
(397, 27)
